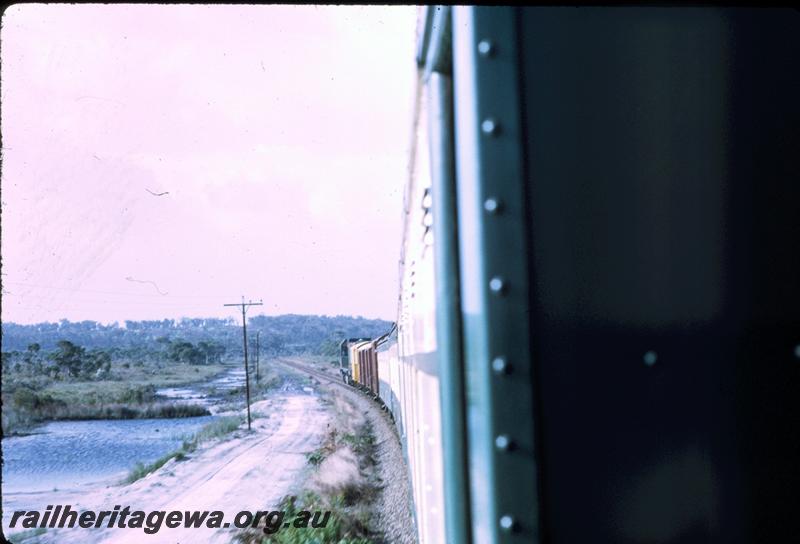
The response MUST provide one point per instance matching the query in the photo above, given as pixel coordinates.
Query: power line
(244, 306)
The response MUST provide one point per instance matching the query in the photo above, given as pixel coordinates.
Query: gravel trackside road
(391, 511)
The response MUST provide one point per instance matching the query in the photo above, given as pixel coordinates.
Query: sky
(278, 135)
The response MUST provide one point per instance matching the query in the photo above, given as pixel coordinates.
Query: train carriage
(367, 366)
(598, 329)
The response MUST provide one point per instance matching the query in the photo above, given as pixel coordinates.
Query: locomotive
(598, 331)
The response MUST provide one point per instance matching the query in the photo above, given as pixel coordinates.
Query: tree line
(82, 348)
(70, 360)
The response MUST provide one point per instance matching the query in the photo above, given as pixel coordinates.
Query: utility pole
(258, 354)
(244, 306)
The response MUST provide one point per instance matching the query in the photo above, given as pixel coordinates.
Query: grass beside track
(341, 481)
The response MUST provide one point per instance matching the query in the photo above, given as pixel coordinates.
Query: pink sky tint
(280, 133)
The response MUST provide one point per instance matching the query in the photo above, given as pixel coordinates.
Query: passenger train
(598, 332)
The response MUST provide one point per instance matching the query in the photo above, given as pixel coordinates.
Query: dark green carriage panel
(663, 190)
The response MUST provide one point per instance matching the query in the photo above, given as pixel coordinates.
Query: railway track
(308, 369)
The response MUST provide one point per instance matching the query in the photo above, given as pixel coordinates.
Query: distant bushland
(64, 385)
(289, 334)
(87, 370)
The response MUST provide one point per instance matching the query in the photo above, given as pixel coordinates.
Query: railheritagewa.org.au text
(63, 516)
